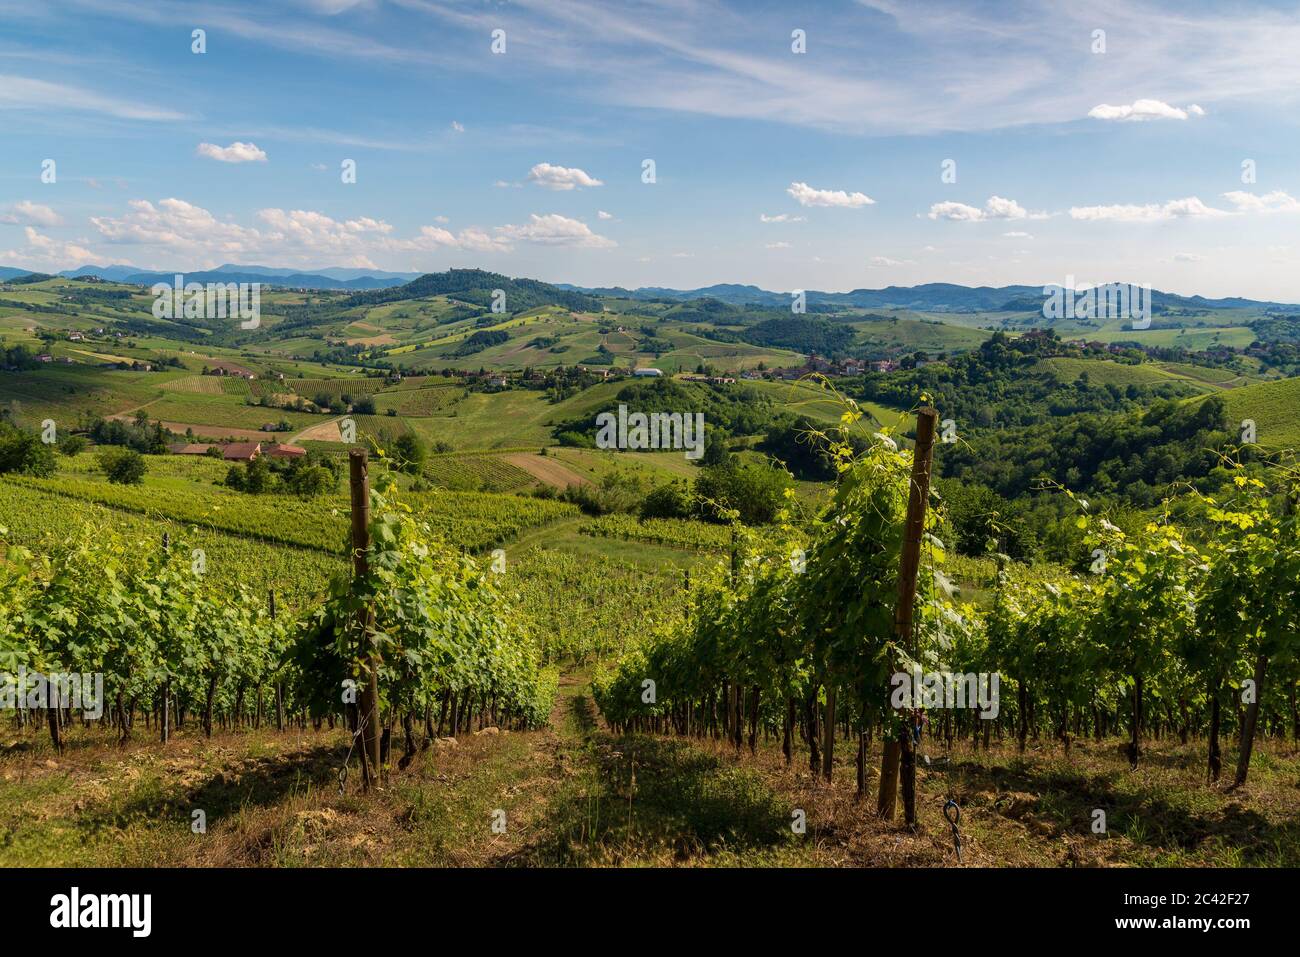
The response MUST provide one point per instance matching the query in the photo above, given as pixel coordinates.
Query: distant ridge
(334, 277)
(927, 297)
(478, 286)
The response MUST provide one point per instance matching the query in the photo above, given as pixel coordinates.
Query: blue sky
(819, 170)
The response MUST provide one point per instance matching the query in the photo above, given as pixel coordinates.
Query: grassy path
(573, 794)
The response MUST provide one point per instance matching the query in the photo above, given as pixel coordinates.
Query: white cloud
(957, 211)
(1016, 234)
(561, 177)
(601, 214)
(503, 184)
(457, 126)
(777, 246)
(44, 254)
(1189, 208)
(1141, 110)
(996, 207)
(181, 226)
(808, 196)
(555, 230)
(1188, 258)
(234, 153)
(26, 213)
(1195, 110)
(435, 237)
(781, 218)
(879, 262)
(294, 236)
(1274, 202)
(894, 67)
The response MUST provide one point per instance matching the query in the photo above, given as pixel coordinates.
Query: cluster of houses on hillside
(239, 451)
(223, 368)
(827, 367)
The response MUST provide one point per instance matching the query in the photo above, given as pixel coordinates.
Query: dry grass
(575, 795)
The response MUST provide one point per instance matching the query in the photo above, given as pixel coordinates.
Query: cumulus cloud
(781, 218)
(808, 196)
(1274, 202)
(27, 213)
(1190, 207)
(435, 237)
(296, 236)
(561, 177)
(555, 230)
(996, 207)
(601, 214)
(457, 126)
(234, 153)
(44, 254)
(1141, 110)
(176, 224)
(175, 229)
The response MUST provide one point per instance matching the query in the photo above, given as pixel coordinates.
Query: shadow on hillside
(683, 803)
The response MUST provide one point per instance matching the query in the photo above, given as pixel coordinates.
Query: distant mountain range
(928, 297)
(332, 278)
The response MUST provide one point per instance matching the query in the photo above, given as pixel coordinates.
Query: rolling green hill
(1275, 409)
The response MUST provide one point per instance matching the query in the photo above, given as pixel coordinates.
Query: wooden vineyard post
(368, 712)
(899, 761)
(279, 683)
(164, 726)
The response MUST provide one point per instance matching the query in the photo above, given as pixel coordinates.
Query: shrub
(71, 445)
(756, 492)
(672, 500)
(123, 466)
(24, 452)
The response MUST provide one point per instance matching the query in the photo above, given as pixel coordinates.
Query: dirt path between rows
(546, 469)
(322, 432)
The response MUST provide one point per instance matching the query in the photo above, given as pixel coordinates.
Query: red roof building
(279, 450)
(189, 448)
(241, 451)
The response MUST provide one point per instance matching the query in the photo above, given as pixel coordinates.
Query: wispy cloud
(28, 93)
